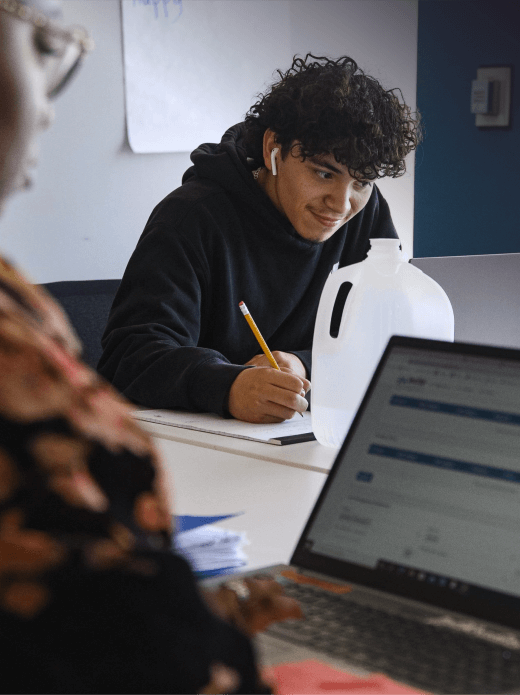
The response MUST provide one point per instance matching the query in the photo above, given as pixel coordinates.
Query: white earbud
(273, 160)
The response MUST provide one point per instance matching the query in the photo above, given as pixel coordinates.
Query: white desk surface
(210, 477)
(311, 456)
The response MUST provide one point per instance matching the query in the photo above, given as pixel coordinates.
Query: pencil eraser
(243, 308)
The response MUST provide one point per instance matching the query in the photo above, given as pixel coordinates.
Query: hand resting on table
(265, 604)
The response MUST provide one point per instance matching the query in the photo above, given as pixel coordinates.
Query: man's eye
(323, 174)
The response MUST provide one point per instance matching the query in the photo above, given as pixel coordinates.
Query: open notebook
(297, 429)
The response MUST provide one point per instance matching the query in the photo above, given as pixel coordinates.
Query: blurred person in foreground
(91, 597)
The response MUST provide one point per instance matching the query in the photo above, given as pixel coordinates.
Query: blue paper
(186, 522)
(206, 574)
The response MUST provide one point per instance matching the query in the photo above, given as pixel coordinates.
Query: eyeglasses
(65, 48)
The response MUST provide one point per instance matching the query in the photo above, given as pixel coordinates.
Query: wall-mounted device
(491, 96)
(484, 97)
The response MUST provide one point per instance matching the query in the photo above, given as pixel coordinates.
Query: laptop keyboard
(425, 656)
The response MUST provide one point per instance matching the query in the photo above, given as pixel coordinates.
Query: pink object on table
(313, 676)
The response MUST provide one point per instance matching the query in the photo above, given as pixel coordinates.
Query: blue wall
(467, 180)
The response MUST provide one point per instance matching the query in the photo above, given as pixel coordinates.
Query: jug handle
(329, 295)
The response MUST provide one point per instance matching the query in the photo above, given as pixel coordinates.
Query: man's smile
(326, 220)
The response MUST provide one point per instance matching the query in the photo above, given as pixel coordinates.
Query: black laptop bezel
(496, 607)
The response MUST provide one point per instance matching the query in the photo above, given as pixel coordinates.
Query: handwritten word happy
(164, 3)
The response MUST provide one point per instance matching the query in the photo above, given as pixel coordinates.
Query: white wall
(93, 196)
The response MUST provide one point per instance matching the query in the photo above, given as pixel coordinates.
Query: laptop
(409, 564)
(483, 291)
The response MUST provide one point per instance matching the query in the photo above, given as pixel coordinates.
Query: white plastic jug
(387, 296)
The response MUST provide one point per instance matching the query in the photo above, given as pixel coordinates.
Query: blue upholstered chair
(87, 304)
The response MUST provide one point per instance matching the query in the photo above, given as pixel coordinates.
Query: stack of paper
(209, 550)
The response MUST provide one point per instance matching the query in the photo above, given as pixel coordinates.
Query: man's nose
(339, 199)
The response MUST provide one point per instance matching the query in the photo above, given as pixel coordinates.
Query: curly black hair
(323, 106)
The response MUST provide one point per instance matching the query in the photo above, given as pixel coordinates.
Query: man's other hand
(265, 394)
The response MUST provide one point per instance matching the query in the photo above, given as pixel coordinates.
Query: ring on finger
(239, 587)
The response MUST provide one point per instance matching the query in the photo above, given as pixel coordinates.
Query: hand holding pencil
(272, 394)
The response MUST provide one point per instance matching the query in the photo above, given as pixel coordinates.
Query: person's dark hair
(333, 107)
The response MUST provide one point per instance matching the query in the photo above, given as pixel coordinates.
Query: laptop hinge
(475, 629)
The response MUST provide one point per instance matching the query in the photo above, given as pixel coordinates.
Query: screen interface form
(431, 478)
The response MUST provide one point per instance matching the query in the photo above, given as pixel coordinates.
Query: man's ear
(269, 144)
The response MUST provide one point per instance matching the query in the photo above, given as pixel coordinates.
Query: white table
(275, 486)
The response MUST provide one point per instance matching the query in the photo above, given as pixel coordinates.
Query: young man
(262, 217)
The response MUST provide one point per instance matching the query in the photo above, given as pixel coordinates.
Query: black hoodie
(176, 337)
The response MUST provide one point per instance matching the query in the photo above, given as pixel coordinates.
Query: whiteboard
(192, 70)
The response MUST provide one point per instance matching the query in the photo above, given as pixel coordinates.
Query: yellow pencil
(259, 337)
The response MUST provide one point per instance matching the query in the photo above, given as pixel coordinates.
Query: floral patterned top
(91, 597)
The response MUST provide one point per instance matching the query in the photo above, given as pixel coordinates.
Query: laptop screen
(424, 497)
